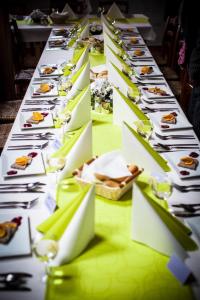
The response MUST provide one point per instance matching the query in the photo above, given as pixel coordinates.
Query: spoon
(29, 186)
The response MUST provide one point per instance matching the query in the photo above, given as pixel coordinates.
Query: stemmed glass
(144, 128)
(56, 164)
(46, 250)
(161, 186)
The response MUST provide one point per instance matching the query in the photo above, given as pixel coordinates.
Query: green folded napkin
(69, 142)
(56, 224)
(137, 111)
(72, 103)
(179, 230)
(157, 157)
(96, 59)
(76, 56)
(101, 117)
(133, 89)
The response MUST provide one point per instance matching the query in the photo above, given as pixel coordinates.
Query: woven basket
(103, 190)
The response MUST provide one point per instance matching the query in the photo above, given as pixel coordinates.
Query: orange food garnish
(138, 52)
(48, 70)
(37, 116)
(44, 88)
(2, 230)
(187, 160)
(22, 160)
(169, 117)
(133, 40)
(146, 70)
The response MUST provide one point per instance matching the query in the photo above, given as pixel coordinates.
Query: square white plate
(57, 71)
(149, 95)
(174, 158)
(52, 93)
(155, 72)
(19, 244)
(53, 40)
(36, 166)
(181, 121)
(145, 54)
(46, 123)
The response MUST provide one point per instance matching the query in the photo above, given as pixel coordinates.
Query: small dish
(46, 123)
(50, 70)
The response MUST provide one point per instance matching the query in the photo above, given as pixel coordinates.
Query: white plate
(52, 93)
(181, 121)
(36, 167)
(155, 72)
(149, 95)
(46, 123)
(145, 54)
(52, 41)
(127, 42)
(57, 70)
(19, 244)
(174, 158)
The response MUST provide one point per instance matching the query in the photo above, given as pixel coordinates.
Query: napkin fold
(125, 110)
(121, 81)
(114, 12)
(72, 225)
(78, 54)
(76, 149)
(79, 109)
(79, 80)
(71, 14)
(164, 232)
(137, 146)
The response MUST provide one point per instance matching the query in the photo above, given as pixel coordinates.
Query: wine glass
(56, 164)
(131, 95)
(46, 250)
(144, 128)
(161, 186)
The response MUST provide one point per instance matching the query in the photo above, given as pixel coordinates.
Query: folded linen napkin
(147, 157)
(114, 12)
(71, 14)
(125, 110)
(72, 225)
(165, 233)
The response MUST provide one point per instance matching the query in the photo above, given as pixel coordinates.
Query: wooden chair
(4, 132)
(9, 110)
(22, 75)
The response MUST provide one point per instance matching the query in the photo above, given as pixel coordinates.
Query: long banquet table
(113, 266)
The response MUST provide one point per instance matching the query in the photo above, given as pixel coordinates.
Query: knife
(184, 214)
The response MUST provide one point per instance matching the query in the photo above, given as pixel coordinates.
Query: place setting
(50, 70)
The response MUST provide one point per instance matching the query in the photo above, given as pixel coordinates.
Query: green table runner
(113, 266)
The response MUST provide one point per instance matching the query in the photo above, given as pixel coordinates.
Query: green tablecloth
(113, 267)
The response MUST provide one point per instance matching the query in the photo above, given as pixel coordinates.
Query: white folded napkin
(110, 164)
(114, 12)
(68, 9)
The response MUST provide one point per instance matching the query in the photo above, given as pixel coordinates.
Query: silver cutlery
(175, 136)
(168, 146)
(159, 101)
(38, 109)
(40, 135)
(41, 102)
(187, 188)
(18, 204)
(184, 214)
(173, 148)
(152, 110)
(26, 147)
(28, 184)
(192, 208)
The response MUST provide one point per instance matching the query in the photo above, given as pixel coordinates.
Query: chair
(8, 111)
(4, 132)
(22, 75)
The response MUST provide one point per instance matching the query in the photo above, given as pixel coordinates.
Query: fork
(24, 147)
(38, 109)
(40, 134)
(148, 109)
(188, 207)
(175, 136)
(187, 188)
(20, 204)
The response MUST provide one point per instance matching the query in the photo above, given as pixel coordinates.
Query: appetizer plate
(130, 45)
(155, 71)
(52, 93)
(174, 159)
(56, 70)
(19, 244)
(36, 167)
(46, 123)
(145, 54)
(181, 121)
(150, 95)
(56, 42)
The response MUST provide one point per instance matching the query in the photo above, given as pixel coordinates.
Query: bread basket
(113, 193)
